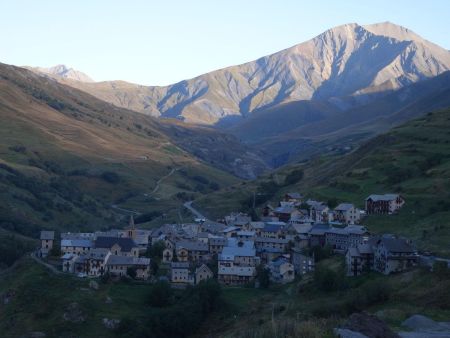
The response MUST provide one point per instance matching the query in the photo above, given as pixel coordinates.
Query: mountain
(69, 160)
(298, 130)
(62, 72)
(348, 60)
(412, 159)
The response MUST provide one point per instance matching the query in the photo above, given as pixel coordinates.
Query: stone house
(359, 259)
(216, 244)
(196, 251)
(47, 238)
(383, 204)
(394, 254)
(119, 265)
(281, 270)
(181, 274)
(118, 246)
(302, 262)
(203, 273)
(236, 275)
(76, 246)
(96, 261)
(167, 255)
(346, 213)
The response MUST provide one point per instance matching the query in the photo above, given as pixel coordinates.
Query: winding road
(197, 214)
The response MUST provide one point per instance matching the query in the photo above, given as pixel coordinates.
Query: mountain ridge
(346, 60)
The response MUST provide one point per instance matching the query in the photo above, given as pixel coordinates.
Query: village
(235, 248)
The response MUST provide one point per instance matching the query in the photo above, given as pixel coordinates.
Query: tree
(154, 266)
(293, 177)
(156, 250)
(160, 294)
(131, 271)
(56, 249)
(263, 276)
(441, 269)
(327, 280)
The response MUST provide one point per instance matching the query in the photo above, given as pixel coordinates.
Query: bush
(160, 294)
(147, 217)
(293, 177)
(441, 269)
(329, 280)
(110, 177)
(263, 277)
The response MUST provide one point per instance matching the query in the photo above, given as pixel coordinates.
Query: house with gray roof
(118, 246)
(47, 238)
(346, 213)
(120, 265)
(236, 275)
(383, 204)
(76, 246)
(393, 254)
(196, 251)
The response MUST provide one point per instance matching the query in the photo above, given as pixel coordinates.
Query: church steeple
(131, 228)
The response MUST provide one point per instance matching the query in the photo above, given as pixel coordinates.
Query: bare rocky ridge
(346, 60)
(62, 72)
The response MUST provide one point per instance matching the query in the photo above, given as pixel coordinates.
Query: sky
(166, 41)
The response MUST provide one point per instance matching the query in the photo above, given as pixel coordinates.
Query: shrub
(293, 177)
(110, 177)
(160, 294)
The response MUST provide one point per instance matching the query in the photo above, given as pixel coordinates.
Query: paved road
(127, 211)
(197, 214)
(48, 266)
(430, 260)
(162, 179)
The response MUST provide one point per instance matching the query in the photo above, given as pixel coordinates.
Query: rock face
(63, 72)
(369, 325)
(346, 60)
(424, 327)
(74, 313)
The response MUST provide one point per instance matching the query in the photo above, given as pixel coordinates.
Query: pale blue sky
(162, 42)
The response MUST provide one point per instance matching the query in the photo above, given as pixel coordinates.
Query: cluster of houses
(231, 250)
(116, 252)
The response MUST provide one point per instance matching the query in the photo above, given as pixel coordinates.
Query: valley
(281, 197)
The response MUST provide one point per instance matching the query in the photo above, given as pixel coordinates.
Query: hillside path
(162, 179)
(48, 266)
(198, 214)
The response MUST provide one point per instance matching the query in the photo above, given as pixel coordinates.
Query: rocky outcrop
(368, 325)
(346, 60)
(424, 327)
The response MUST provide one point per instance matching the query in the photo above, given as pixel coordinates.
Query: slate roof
(179, 265)
(385, 197)
(319, 229)
(273, 227)
(286, 209)
(98, 253)
(246, 233)
(271, 240)
(294, 195)
(397, 245)
(344, 207)
(127, 260)
(126, 244)
(192, 246)
(247, 271)
(81, 243)
(218, 241)
(231, 229)
(238, 251)
(49, 235)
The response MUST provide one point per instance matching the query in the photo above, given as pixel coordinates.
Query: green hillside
(69, 161)
(412, 159)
